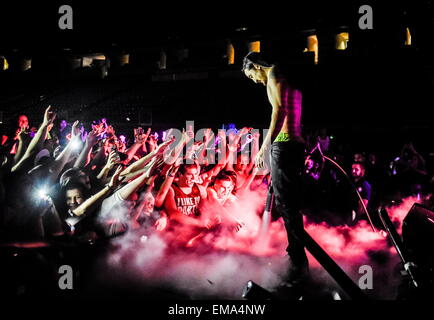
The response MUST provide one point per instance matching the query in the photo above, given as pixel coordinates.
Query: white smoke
(220, 265)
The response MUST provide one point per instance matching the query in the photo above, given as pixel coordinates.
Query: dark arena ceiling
(372, 83)
(99, 24)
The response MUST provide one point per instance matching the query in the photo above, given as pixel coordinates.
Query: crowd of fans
(59, 180)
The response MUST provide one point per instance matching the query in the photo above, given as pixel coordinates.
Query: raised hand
(221, 134)
(255, 171)
(92, 138)
(178, 162)
(49, 116)
(110, 131)
(162, 147)
(233, 147)
(115, 181)
(152, 140)
(148, 132)
(256, 135)
(139, 136)
(75, 131)
(120, 145)
(212, 222)
(208, 135)
(244, 131)
(197, 145)
(169, 134)
(154, 167)
(172, 171)
(188, 134)
(22, 133)
(112, 160)
(161, 223)
(99, 129)
(238, 225)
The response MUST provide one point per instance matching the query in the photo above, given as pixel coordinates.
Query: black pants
(287, 164)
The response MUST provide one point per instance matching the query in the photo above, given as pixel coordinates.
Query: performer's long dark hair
(255, 58)
(294, 69)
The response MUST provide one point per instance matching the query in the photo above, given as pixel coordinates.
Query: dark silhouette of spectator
(411, 169)
(324, 140)
(358, 172)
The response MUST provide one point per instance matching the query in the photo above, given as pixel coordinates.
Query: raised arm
(23, 138)
(231, 151)
(248, 181)
(223, 160)
(99, 156)
(126, 191)
(65, 156)
(194, 149)
(145, 138)
(208, 141)
(233, 148)
(140, 137)
(141, 163)
(38, 139)
(112, 160)
(167, 184)
(139, 141)
(84, 157)
(153, 143)
(96, 199)
(174, 155)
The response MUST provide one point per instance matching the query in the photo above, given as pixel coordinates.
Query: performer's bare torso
(280, 94)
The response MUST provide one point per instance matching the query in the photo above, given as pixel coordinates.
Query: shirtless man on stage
(286, 144)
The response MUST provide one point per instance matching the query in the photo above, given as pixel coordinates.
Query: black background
(375, 92)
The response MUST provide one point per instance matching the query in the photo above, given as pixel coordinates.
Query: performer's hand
(260, 160)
